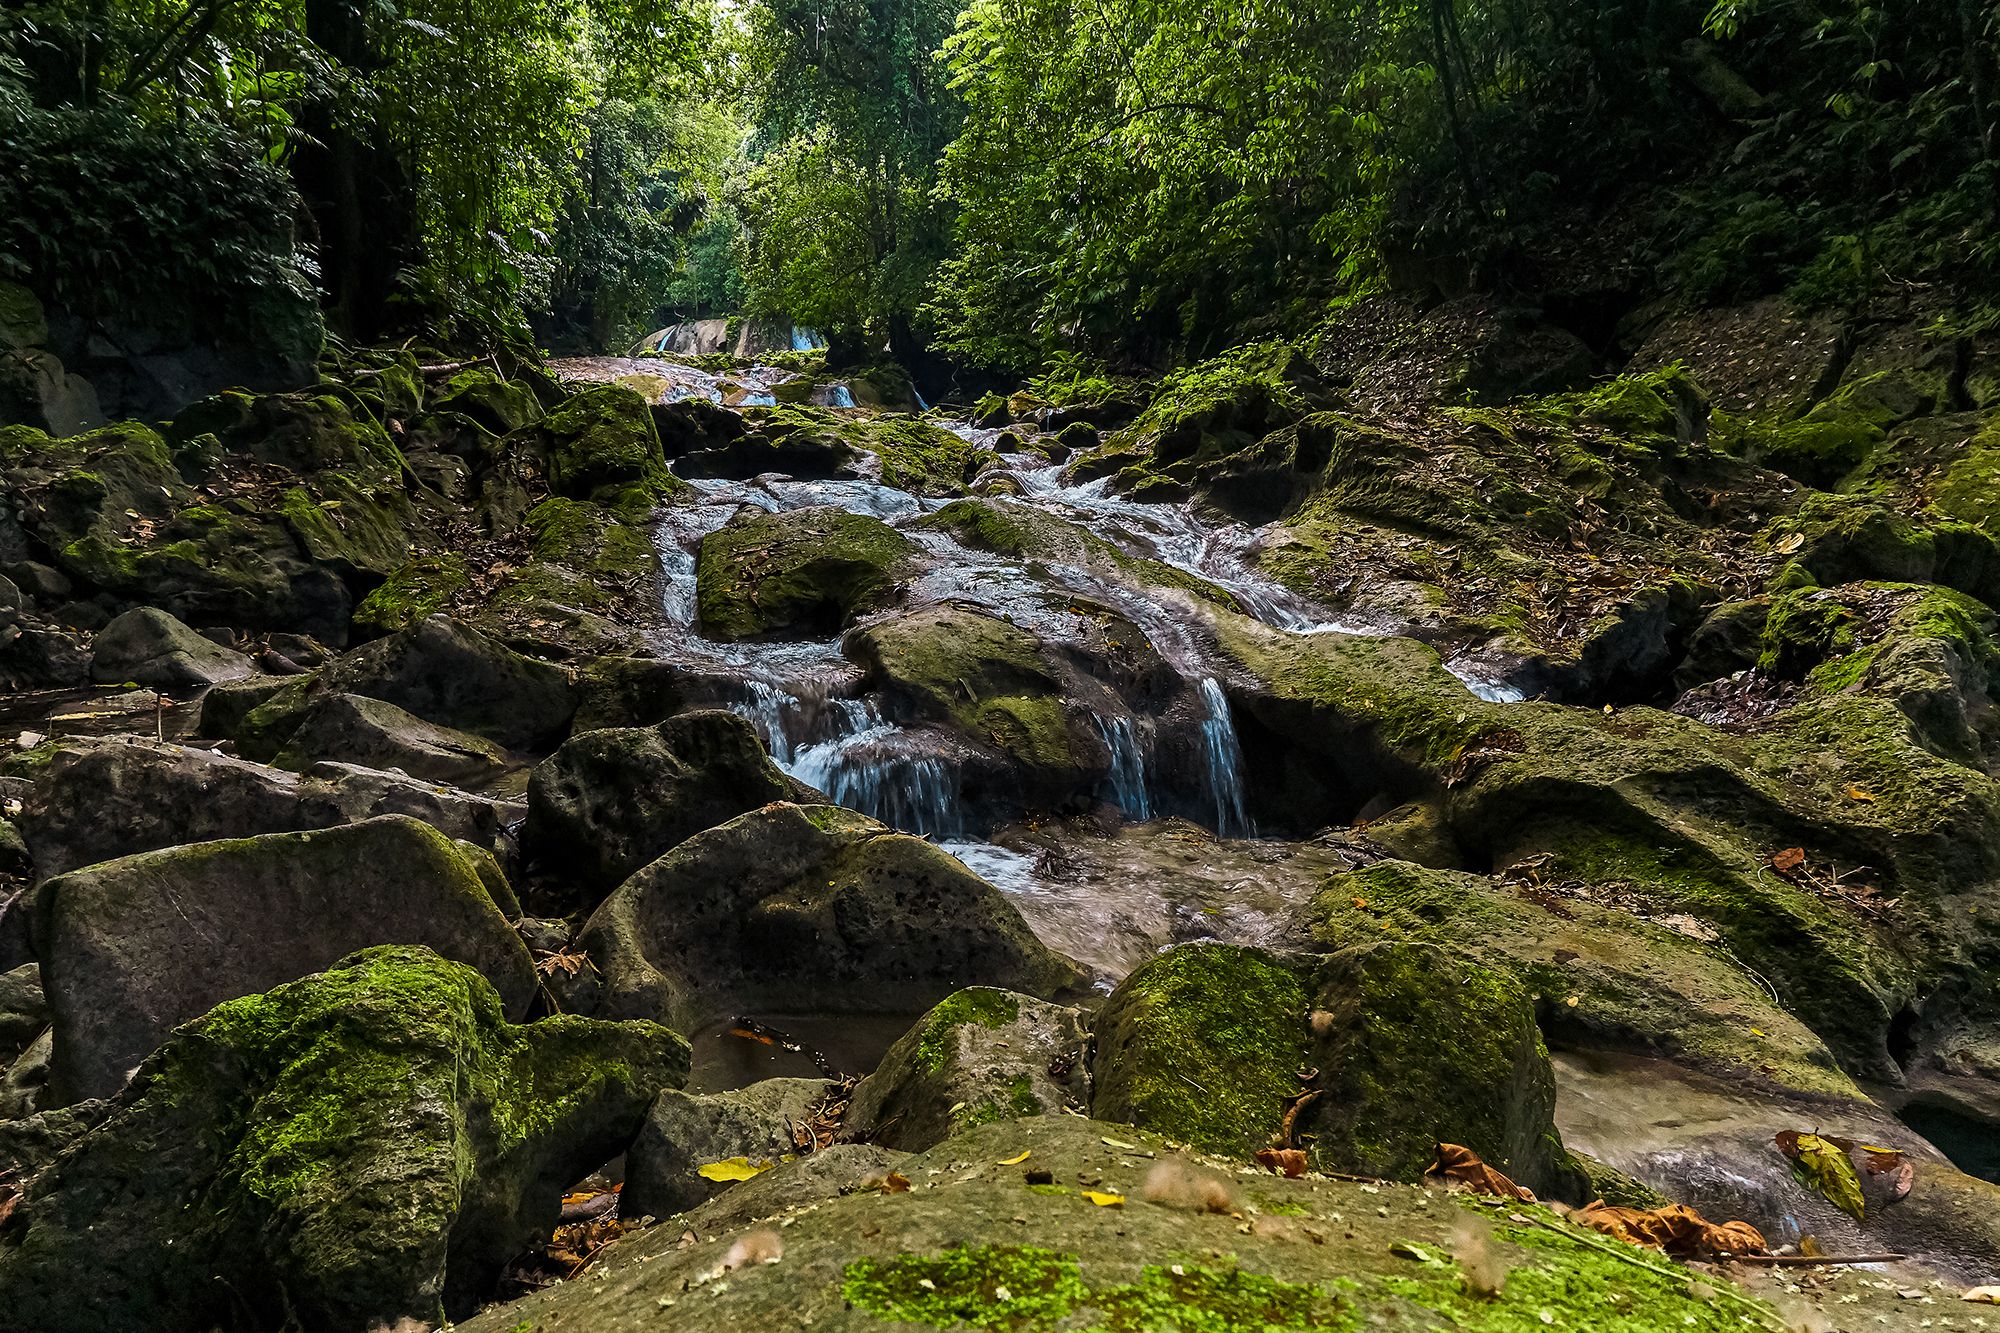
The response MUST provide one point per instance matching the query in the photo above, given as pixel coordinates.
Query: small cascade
(1127, 778)
(845, 747)
(806, 340)
(837, 395)
(1224, 758)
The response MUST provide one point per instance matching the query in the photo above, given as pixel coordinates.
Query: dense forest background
(1013, 186)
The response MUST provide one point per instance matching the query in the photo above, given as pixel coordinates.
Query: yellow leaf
(1859, 794)
(732, 1168)
(1016, 1161)
(1103, 1200)
(1120, 1143)
(1829, 1169)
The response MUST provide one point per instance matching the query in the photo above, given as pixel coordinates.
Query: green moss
(982, 1005)
(1189, 1299)
(604, 440)
(987, 1287)
(807, 571)
(1221, 404)
(1203, 1044)
(413, 592)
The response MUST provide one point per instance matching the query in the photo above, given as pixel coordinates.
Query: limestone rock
(684, 1132)
(350, 1150)
(795, 908)
(134, 947)
(350, 728)
(608, 802)
(981, 1055)
(150, 647)
(804, 573)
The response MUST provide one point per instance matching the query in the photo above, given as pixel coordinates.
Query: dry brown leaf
(1789, 860)
(1460, 1165)
(1288, 1162)
(1676, 1228)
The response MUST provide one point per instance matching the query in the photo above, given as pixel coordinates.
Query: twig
(1624, 1255)
(1808, 1260)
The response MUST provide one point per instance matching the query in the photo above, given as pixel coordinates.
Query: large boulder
(981, 1055)
(602, 445)
(133, 947)
(350, 728)
(609, 802)
(808, 908)
(1367, 1059)
(805, 572)
(96, 799)
(444, 672)
(349, 1151)
(683, 1132)
(149, 647)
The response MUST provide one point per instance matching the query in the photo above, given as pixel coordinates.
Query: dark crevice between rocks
(1970, 1143)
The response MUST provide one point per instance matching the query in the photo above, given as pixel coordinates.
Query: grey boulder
(149, 647)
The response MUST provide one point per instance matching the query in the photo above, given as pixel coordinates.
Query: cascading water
(806, 340)
(1224, 756)
(1126, 781)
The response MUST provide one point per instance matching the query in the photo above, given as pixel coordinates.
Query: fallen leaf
(895, 1183)
(1403, 1249)
(1461, 1166)
(1791, 543)
(1104, 1200)
(1824, 1165)
(1288, 1162)
(1676, 1228)
(732, 1168)
(1016, 1161)
(1859, 794)
(1983, 1296)
(1120, 1143)
(1787, 861)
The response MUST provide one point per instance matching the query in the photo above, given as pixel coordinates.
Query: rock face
(683, 1133)
(609, 802)
(808, 907)
(352, 1149)
(135, 946)
(802, 573)
(602, 445)
(349, 728)
(982, 1055)
(1370, 1058)
(149, 647)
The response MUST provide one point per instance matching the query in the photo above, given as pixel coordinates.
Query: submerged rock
(149, 647)
(133, 947)
(808, 909)
(608, 802)
(981, 1055)
(350, 1150)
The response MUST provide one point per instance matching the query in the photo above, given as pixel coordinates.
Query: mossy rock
(602, 445)
(500, 406)
(950, 1254)
(418, 589)
(1600, 979)
(1205, 1045)
(805, 572)
(980, 1055)
(350, 1150)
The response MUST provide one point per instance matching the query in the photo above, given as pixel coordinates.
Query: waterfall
(839, 395)
(848, 750)
(1225, 762)
(1127, 778)
(806, 340)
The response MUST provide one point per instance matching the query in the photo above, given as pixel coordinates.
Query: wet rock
(24, 1083)
(808, 908)
(135, 946)
(418, 589)
(350, 728)
(440, 670)
(804, 455)
(803, 573)
(684, 1132)
(224, 707)
(149, 647)
(608, 802)
(981, 1055)
(350, 1150)
(1405, 1046)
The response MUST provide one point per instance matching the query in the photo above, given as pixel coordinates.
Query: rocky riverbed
(638, 841)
